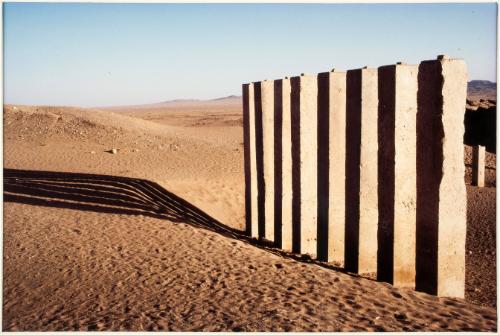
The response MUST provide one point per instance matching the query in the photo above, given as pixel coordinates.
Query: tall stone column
(441, 194)
(337, 155)
(331, 166)
(304, 157)
(282, 103)
(361, 171)
(397, 174)
(267, 100)
(251, 215)
(478, 156)
(246, 154)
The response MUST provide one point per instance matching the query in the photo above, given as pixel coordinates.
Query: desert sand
(150, 237)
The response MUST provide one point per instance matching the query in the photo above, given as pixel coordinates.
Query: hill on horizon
(476, 89)
(228, 100)
(481, 89)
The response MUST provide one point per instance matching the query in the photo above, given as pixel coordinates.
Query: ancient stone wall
(363, 169)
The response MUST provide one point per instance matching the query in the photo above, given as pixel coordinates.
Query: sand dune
(150, 238)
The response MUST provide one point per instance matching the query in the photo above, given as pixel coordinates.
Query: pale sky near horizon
(84, 54)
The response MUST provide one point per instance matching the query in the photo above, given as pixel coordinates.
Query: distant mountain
(481, 89)
(476, 89)
(229, 100)
(198, 101)
(224, 100)
(179, 101)
(229, 97)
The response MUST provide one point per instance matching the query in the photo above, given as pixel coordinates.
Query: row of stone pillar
(364, 169)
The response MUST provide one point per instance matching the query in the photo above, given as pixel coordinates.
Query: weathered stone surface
(250, 161)
(286, 163)
(361, 171)
(453, 196)
(337, 155)
(441, 195)
(397, 174)
(267, 96)
(304, 158)
(478, 156)
(246, 154)
(368, 218)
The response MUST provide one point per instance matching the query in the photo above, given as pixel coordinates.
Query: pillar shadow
(121, 195)
(352, 169)
(386, 173)
(295, 124)
(278, 160)
(480, 128)
(323, 163)
(259, 151)
(105, 194)
(429, 166)
(247, 153)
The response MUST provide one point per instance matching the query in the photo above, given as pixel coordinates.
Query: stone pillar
(282, 89)
(331, 166)
(304, 168)
(397, 184)
(246, 156)
(361, 171)
(267, 98)
(251, 215)
(478, 155)
(441, 194)
(337, 155)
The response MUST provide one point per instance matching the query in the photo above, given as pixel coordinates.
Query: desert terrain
(131, 218)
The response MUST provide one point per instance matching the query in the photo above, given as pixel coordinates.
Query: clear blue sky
(118, 54)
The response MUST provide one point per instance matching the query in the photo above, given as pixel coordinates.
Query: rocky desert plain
(132, 218)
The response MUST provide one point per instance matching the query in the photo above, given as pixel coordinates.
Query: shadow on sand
(120, 195)
(105, 194)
